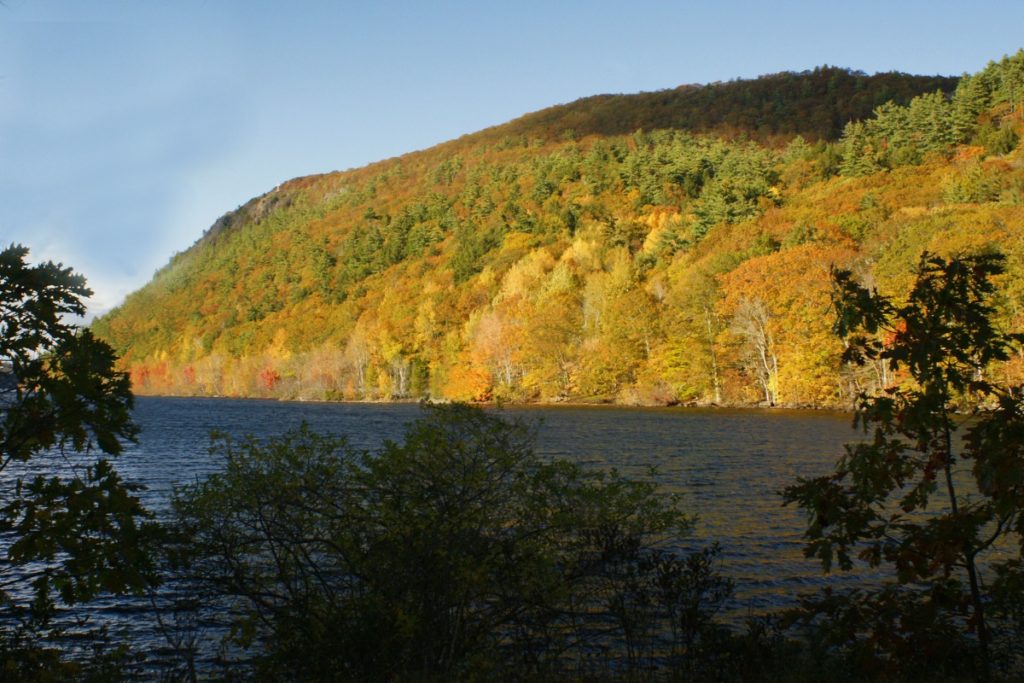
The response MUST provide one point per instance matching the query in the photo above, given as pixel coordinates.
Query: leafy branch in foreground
(79, 531)
(933, 495)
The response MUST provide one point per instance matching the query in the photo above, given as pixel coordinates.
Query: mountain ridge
(557, 111)
(548, 259)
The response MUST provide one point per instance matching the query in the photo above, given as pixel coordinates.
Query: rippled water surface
(729, 465)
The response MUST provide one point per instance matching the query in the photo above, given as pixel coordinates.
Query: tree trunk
(969, 559)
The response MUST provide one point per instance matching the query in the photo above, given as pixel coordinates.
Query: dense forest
(669, 247)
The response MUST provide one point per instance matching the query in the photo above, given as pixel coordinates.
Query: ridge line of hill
(666, 247)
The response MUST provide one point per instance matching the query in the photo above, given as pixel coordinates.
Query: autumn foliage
(636, 249)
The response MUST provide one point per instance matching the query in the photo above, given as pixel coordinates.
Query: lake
(729, 466)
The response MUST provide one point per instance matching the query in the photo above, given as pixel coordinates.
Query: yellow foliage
(467, 382)
(583, 255)
(278, 349)
(526, 275)
(570, 283)
(659, 221)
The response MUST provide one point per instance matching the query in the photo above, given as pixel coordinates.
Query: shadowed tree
(78, 530)
(927, 493)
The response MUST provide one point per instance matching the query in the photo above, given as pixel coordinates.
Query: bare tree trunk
(751, 322)
(709, 320)
(969, 553)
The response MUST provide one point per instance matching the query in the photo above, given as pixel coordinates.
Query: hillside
(654, 248)
(815, 104)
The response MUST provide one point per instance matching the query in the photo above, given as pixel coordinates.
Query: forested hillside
(655, 248)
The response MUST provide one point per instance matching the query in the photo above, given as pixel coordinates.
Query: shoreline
(753, 407)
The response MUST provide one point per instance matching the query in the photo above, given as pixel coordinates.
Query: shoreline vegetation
(528, 404)
(459, 554)
(681, 260)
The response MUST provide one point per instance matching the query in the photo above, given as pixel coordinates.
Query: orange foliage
(793, 287)
(468, 382)
(522, 263)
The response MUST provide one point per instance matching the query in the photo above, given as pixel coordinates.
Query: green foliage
(23, 660)
(997, 139)
(471, 245)
(974, 184)
(446, 171)
(888, 634)
(859, 151)
(925, 493)
(801, 234)
(970, 100)
(457, 553)
(79, 535)
(898, 135)
(1005, 80)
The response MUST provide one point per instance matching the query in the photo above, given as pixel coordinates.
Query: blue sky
(127, 127)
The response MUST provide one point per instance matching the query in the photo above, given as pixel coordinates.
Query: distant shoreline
(784, 408)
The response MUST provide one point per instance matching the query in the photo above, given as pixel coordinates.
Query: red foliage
(269, 378)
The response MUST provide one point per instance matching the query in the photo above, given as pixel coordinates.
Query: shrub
(457, 553)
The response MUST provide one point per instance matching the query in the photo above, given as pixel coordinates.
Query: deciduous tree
(79, 530)
(927, 493)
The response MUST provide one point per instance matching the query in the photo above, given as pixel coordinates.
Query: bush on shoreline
(457, 553)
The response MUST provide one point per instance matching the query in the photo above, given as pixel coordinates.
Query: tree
(860, 156)
(752, 323)
(456, 553)
(927, 492)
(784, 343)
(76, 534)
(969, 101)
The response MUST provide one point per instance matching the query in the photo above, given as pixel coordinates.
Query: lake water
(729, 466)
